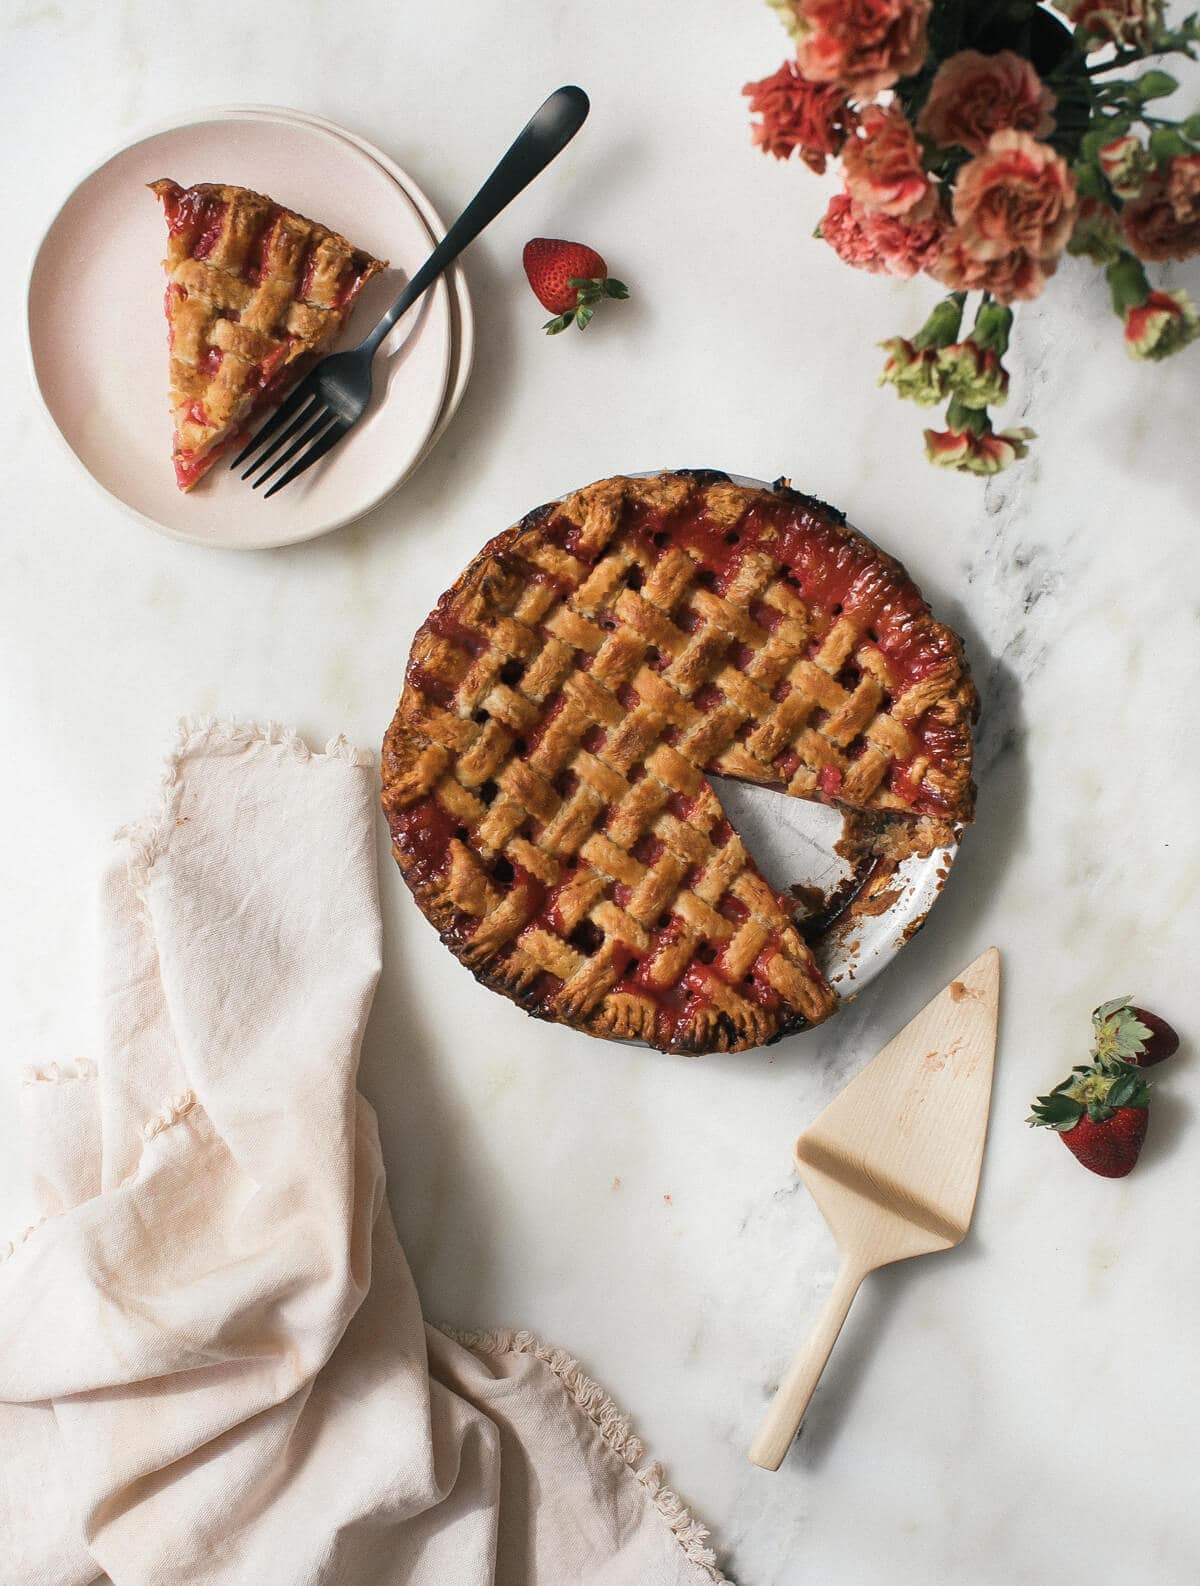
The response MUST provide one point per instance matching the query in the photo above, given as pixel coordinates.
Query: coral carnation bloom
(974, 95)
(883, 166)
(1018, 195)
(865, 45)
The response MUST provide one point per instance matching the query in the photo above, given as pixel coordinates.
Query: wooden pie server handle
(782, 1420)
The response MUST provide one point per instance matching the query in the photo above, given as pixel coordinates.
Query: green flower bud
(1165, 323)
(1095, 236)
(974, 374)
(915, 372)
(943, 325)
(967, 453)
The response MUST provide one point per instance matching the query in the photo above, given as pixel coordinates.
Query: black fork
(333, 397)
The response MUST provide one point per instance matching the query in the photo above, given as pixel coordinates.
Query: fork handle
(545, 135)
(782, 1420)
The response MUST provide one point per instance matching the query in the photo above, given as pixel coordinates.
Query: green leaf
(614, 288)
(583, 316)
(1191, 128)
(1090, 182)
(1131, 1037)
(1056, 1111)
(1122, 1091)
(1119, 1034)
(1106, 1008)
(1154, 85)
(1096, 139)
(559, 323)
(1165, 143)
(1099, 1112)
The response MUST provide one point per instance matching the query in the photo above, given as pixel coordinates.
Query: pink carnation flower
(879, 243)
(1015, 207)
(1183, 188)
(883, 166)
(798, 116)
(1153, 228)
(1131, 23)
(974, 95)
(865, 45)
(1012, 277)
(1018, 195)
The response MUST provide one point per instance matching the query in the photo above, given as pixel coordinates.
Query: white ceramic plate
(462, 314)
(106, 392)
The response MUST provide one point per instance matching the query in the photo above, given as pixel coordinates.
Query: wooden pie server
(893, 1163)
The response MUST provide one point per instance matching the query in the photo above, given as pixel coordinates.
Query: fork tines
(312, 424)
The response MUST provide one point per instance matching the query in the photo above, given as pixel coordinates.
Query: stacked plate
(107, 393)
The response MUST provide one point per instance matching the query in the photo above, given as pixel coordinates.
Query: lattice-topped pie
(256, 294)
(546, 773)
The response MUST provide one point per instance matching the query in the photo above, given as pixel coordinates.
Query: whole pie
(256, 293)
(546, 774)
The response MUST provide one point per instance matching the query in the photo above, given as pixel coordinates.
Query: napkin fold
(213, 1363)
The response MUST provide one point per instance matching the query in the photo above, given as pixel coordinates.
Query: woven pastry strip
(256, 293)
(545, 776)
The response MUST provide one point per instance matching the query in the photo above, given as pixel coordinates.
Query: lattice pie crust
(255, 294)
(545, 776)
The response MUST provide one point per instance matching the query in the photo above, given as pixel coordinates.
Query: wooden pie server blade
(893, 1163)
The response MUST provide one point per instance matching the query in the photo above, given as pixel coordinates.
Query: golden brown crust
(545, 776)
(256, 292)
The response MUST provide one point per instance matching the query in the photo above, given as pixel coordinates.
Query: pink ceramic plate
(106, 391)
(462, 314)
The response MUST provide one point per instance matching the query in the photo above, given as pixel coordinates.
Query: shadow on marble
(827, 1059)
(1152, 432)
(430, 1142)
(833, 1406)
(1170, 1117)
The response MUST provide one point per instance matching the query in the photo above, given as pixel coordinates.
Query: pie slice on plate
(546, 774)
(256, 293)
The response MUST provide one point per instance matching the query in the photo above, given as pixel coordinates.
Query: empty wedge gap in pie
(567, 701)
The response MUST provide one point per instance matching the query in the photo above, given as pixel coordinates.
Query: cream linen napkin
(213, 1365)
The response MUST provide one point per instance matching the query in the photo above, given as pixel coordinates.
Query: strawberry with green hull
(1135, 1034)
(570, 279)
(1102, 1109)
(1100, 1112)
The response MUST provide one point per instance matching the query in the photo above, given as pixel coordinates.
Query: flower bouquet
(980, 140)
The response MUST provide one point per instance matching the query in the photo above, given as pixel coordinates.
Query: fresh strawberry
(1100, 1112)
(1163, 1040)
(1133, 1034)
(1110, 1147)
(569, 279)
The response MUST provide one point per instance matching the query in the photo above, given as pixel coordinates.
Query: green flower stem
(960, 418)
(1128, 282)
(942, 327)
(993, 323)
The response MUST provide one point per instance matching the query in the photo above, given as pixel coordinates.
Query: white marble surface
(989, 1412)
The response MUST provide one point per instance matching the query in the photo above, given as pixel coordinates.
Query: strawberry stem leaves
(1119, 1033)
(589, 291)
